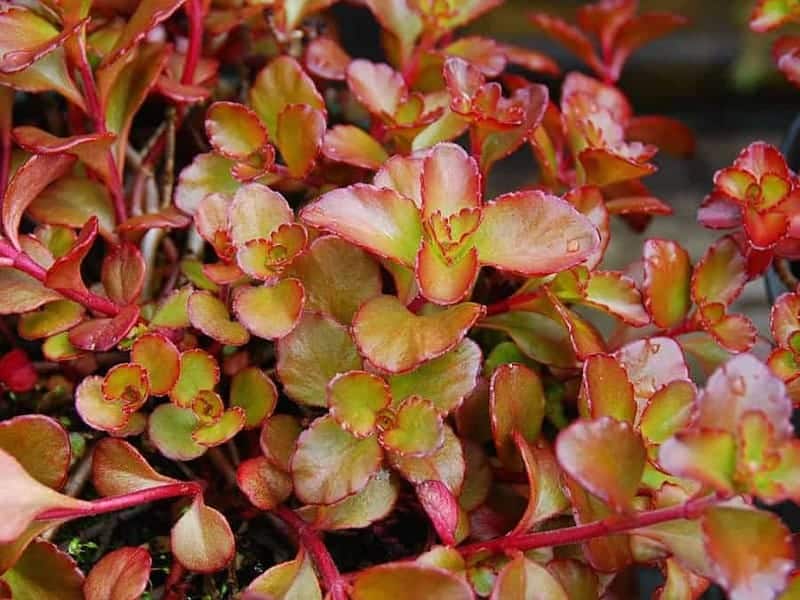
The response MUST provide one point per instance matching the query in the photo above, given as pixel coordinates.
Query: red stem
(194, 11)
(310, 540)
(5, 155)
(503, 306)
(95, 109)
(115, 503)
(580, 533)
(26, 264)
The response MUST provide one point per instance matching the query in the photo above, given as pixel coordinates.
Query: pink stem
(194, 11)
(115, 503)
(503, 306)
(26, 264)
(95, 109)
(580, 533)
(310, 540)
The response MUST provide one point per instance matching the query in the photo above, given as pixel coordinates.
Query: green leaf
(517, 404)
(667, 274)
(256, 212)
(354, 146)
(606, 456)
(396, 340)
(73, 200)
(281, 83)
(445, 464)
(227, 425)
(409, 580)
(202, 540)
(44, 572)
(270, 311)
(377, 219)
(299, 137)
(253, 391)
(443, 381)
(234, 130)
(329, 288)
(40, 445)
(49, 73)
(265, 485)
(160, 359)
(170, 429)
(330, 463)
(172, 313)
(523, 579)
(55, 317)
(311, 355)
(669, 410)
(545, 496)
(416, 430)
(538, 336)
(207, 174)
(198, 371)
(706, 455)
(292, 580)
(356, 399)
(751, 552)
(372, 503)
(210, 315)
(720, 275)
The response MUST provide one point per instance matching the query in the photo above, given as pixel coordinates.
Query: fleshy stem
(95, 109)
(312, 543)
(507, 304)
(115, 503)
(23, 262)
(580, 533)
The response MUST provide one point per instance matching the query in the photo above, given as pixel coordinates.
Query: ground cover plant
(266, 334)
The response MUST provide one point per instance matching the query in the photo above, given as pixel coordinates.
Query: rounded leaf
(202, 540)
(120, 575)
(170, 428)
(270, 311)
(524, 579)
(356, 399)
(292, 580)
(44, 572)
(54, 317)
(445, 464)
(278, 439)
(234, 130)
(416, 430)
(160, 359)
(123, 273)
(409, 580)
(517, 403)
(299, 137)
(198, 371)
(265, 485)
(40, 445)
(95, 410)
(253, 391)
(667, 275)
(354, 146)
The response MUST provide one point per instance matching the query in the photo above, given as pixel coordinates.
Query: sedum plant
(257, 297)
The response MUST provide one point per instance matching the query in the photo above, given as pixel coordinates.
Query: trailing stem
(580, 533)
(312, 543)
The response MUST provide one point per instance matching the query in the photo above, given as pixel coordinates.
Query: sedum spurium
(291, 293)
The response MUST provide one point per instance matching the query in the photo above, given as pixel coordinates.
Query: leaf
(198, 371)
(28, 182)
(576, 577)
(280, 83)
(539, 337)
(356, 400)
(55, 317)
(40, 445)
(442, 282)
(396, 340)
(354, 146)
(605, 456)
(720, 275)
(278, 439)
(325, 58)
(265, 485)
(120, 575)
(170, 428)
(638, 31)
(524, 579)
(49, 73)
(95, 410)
(222, 429)
(172, 313)
(234, 130)
(532, 233)
(372, 503)
(22, 293)
(545, 496)
(445, 464)
(670, 135)
(441, 507)
(750, 551)
(377, 86)
(309, 357)
(44, 572)
(404, 579)
(292, 580)
(210, 315)
(299, 137)
(330, 463)
(378, 219)
(207, 174)
(517, 402)
(160, 358)
(91, 148)
(118, 469)
(443, 381)
(202, 540)
(416, 430)
(148, 14)
(668, 411)
(329, 289)
(607, 390)
(127, 384)
(667, 273)
(743, 384)
(123, 273)
(166, 218)
(25, 498)
(256, 212)
(270, 311)
(706, 455)
(253, 391)
(26, 38)
(569, 37)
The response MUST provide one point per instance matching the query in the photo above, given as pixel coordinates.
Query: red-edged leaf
(234, 130)
(396, 340)
(26, 184)
(450, 181)
(532, 233)
(325, 58)
(65, 273)
(118, 468)
(378, 87)
(40, 445)
(407, 579)
(210, 315)
(706, 455)
(202, 540)
(120, 575)
(667, 273)
(354, 146)
(265, 485)
(91, 148)
(270, 312)
(523, 578)
(356, 399)
(160, 358)
(603, 168)
(571, 38)
(668, 134)
(720, 275)
(123, 273)
(638, 31)
(46, 573)
(517, 404)
(606, 456)
(103, 334)
(299, 137)
(167, 218)
(148, 14)
(607, 390)
(441, 507)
